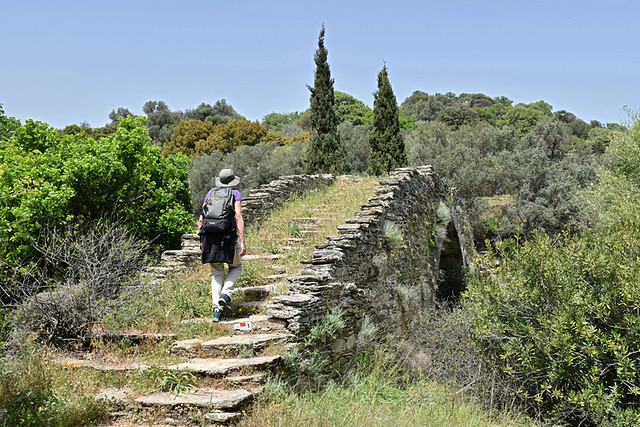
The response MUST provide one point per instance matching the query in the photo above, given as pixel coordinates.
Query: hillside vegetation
(47, 385)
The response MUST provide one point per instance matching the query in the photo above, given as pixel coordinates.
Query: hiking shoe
(217, 314)
(225, 302)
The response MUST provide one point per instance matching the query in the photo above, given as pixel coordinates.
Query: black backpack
(218, 215)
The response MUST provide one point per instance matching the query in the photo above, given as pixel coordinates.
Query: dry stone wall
(261, 201)
(384, 264)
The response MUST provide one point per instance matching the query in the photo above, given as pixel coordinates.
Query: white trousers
(221, 284)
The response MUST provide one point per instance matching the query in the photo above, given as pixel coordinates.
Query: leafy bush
(175, 382)
(543, 170)
(306, 364)
(440, 347)
(356, 141)
(227, 137)
(560, 316)
(48, 180)
(187, 136)
(263, 163)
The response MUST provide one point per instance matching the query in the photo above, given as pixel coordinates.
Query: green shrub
(308, 366)
(560, 318)
(48, 180)
(172, 381)
(263, 163)
(356, 141)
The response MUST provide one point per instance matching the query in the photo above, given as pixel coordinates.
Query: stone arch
(451, 267)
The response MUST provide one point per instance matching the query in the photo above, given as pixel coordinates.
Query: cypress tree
(325, 153)
(385, 139)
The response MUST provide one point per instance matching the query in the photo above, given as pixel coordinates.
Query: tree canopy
(186, 136)
(227, 137)
(48, 179)
(352, 110)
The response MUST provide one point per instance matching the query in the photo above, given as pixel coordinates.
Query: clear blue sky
(66, 62)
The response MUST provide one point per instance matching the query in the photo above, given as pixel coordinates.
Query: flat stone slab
(114, 396)
(249, 324)
(241, 380)
(267, 257)
(216, 367)
(205, 398)
(181, 252)
(254, 341)
(295, 240)
(256, 322)
(256, 292)
(253, 305)
(186, 346)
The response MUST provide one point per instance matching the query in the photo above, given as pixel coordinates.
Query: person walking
(223, 247)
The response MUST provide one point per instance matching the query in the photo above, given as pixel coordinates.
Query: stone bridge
(406, 249)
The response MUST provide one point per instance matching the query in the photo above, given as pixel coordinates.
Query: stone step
(278, 268)
(307, 220)
(308, 232)
(246, 324)
(246, 380)
(255, 293)
(191, 242)
(217, 405)
(235, 344)
(255, 323)
(293, 240)
(228, 400)
(221, 367)
(276, 277)
(249, 305)
(180, 258)
(230, 345)
(220, 417)
(253, 257)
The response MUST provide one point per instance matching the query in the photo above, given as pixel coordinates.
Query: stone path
(233, 368)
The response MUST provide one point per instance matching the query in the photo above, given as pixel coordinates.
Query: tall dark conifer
(385, 139)
(325, 153)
